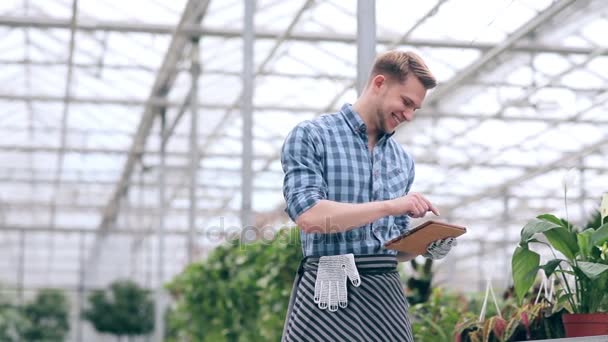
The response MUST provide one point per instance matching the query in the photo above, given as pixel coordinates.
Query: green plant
(435, 319)
(47, 316)
(240, 293)
(12, 322)
(585, 259)
(528, 322)
(419, 284)
(125, 309)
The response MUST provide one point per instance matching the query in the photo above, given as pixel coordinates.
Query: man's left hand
(440, 248)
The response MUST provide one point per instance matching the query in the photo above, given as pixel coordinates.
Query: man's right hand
(413, 204)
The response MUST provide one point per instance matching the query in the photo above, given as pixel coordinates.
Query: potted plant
(526, 323)
(583, 270)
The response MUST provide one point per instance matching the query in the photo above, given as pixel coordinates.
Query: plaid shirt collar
(356, 124)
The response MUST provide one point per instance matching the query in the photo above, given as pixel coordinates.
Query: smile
(396, 118)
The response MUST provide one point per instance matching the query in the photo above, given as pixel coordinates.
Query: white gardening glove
(440, 248)
(330, 286)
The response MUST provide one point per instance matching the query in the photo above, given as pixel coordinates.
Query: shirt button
(362, 129)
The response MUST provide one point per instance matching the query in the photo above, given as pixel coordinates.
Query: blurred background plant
(44, 318)
(124, 309)
(239, 293)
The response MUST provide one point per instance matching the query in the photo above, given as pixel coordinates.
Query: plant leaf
(552, 219)
(550, 266)
(584, 242)
(534, 227)
(512, 326)
(591, 269)
(564, 272)
(524, 264)
(564, 241)
(600, 235)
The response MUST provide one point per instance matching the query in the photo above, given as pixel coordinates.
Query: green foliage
(240, 293)
(585, 258)
(419, 284)
(125, 309)
(434, 320)
(47, 316)
(524, 266)
(12, 322)
(449, 316)
(529, 322)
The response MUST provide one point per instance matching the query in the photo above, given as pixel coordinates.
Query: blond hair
(399, 64)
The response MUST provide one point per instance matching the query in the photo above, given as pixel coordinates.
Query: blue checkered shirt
(328, 158)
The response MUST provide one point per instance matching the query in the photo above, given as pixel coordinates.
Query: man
(347, 187)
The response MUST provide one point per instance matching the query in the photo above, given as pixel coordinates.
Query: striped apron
(376, 311)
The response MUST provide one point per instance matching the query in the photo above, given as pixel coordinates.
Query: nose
(408, 114)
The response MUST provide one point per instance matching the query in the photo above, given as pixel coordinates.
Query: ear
(378, 81)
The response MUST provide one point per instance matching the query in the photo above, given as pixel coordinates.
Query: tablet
(416, 240)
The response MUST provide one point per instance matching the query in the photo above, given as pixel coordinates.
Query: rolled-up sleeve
(403, 221)
(302, 162)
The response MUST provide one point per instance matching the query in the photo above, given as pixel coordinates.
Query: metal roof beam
(509, 44)
(561, 162)
(193, 13)
(260, 34)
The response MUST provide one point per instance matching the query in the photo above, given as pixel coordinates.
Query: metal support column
(148, 243)
(583, 192)
(159, 323)
(247, 115)
(366, 40)
(506, 217)
(21, 266)
(195, 71)
(481, 272)
(81, 284)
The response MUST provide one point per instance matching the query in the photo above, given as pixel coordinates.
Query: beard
(382, 122)
(385, 123)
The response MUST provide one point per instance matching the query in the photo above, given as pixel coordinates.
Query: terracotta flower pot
(578, 325)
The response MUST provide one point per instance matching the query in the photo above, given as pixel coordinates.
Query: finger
(318, 286)
(419, 209)
(412, 202)
(439, 256)
(333, 296)
(431, 207)
(434, 210)
(341, 294)
(354, 278)
(351, 271)
(423, 203)
(324, 295)
(426, 201)
(420, 215)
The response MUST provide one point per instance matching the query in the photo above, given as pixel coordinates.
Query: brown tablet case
(416, 240)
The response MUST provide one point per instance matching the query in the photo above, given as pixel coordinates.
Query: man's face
(398, 101)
